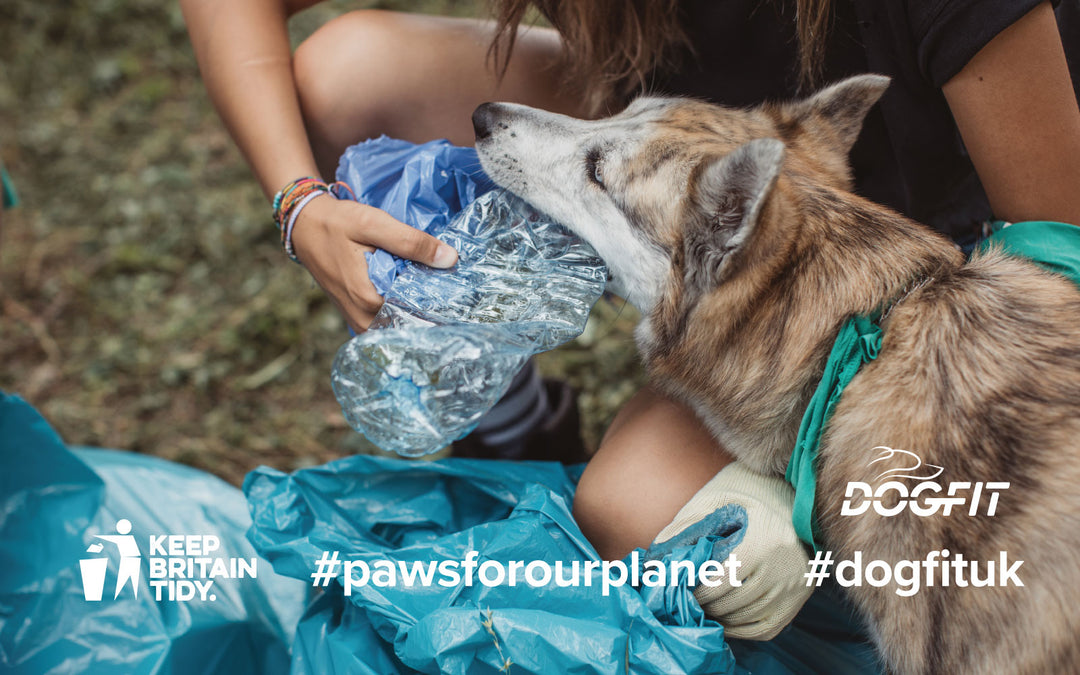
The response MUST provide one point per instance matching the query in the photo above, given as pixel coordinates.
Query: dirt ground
(144, 302)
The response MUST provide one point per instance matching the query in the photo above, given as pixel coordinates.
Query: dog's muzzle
(486, 119)
(483, 119)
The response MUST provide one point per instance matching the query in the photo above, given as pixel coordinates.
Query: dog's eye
(594, 167)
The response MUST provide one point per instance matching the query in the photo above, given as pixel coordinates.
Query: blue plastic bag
(370, 509)
(53, 501)
(422, 185)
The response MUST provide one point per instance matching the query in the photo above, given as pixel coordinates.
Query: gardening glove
(773, 560)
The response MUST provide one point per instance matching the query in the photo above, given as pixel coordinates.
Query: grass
(144, 302)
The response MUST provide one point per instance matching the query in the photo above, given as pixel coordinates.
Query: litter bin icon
(93, 574)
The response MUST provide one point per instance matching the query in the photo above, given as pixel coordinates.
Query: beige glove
(772, 560)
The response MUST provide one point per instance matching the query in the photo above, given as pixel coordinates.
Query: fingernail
(445, 256)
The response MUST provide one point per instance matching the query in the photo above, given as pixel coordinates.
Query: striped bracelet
(291, 200)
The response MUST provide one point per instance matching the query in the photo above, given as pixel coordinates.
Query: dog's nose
(483, 120)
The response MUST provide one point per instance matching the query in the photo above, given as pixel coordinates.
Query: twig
(489, 625)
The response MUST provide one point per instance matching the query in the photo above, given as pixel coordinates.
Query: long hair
(613, 45)
(812, 18)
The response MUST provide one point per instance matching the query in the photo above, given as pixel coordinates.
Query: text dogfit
(892, 497)
(958, 494)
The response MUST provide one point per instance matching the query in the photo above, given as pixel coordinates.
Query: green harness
(1055, 246)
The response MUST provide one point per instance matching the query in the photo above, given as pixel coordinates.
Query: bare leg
(655, 456)
(414, 77)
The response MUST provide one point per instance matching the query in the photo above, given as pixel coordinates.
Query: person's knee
(342, 73)
(626, 495)
(654, 458)
(598, 510)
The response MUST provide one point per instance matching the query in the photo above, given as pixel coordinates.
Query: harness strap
(858, 342)
(1054, 246)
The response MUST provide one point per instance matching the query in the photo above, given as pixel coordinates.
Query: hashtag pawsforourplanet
(938, 568)
(470, 570)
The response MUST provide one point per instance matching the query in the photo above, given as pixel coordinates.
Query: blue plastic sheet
(53, 501)
(371, 509)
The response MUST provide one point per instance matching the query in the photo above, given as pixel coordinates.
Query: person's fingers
(379, 229)
(330, 239)
(335, 261)
(355, 316)
(348, 285)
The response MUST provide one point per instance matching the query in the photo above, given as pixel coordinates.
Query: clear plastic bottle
(447, 343)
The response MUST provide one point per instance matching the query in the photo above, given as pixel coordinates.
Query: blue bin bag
(53, 500)
(422, 185)
(372, 508)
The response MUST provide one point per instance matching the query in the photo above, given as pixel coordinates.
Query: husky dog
(736, 234)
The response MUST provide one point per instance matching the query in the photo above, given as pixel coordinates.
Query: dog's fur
(737, 236)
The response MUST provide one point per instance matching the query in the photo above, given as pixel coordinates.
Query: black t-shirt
(910, 155)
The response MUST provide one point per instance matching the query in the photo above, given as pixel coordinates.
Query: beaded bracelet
(291, 200)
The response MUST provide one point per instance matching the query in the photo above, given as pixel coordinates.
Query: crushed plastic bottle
(447, 343)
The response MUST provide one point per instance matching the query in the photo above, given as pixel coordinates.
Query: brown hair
(613, 45)
(812, 18)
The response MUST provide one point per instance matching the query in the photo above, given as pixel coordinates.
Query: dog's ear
(840, 108)
(731, 190)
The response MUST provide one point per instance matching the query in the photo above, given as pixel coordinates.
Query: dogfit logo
(179, 566)
(859, 496)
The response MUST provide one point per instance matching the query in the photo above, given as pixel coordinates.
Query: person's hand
(330, 238)
(772, 559)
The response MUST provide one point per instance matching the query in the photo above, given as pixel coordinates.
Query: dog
(737, 235)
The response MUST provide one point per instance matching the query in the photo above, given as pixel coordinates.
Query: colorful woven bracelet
(291, 200)
(339, 186)
(283, 196)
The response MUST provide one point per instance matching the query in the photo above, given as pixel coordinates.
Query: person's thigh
(655, 456)
(415, 77)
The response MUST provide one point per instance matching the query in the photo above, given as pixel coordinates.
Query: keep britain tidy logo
(179, 567)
